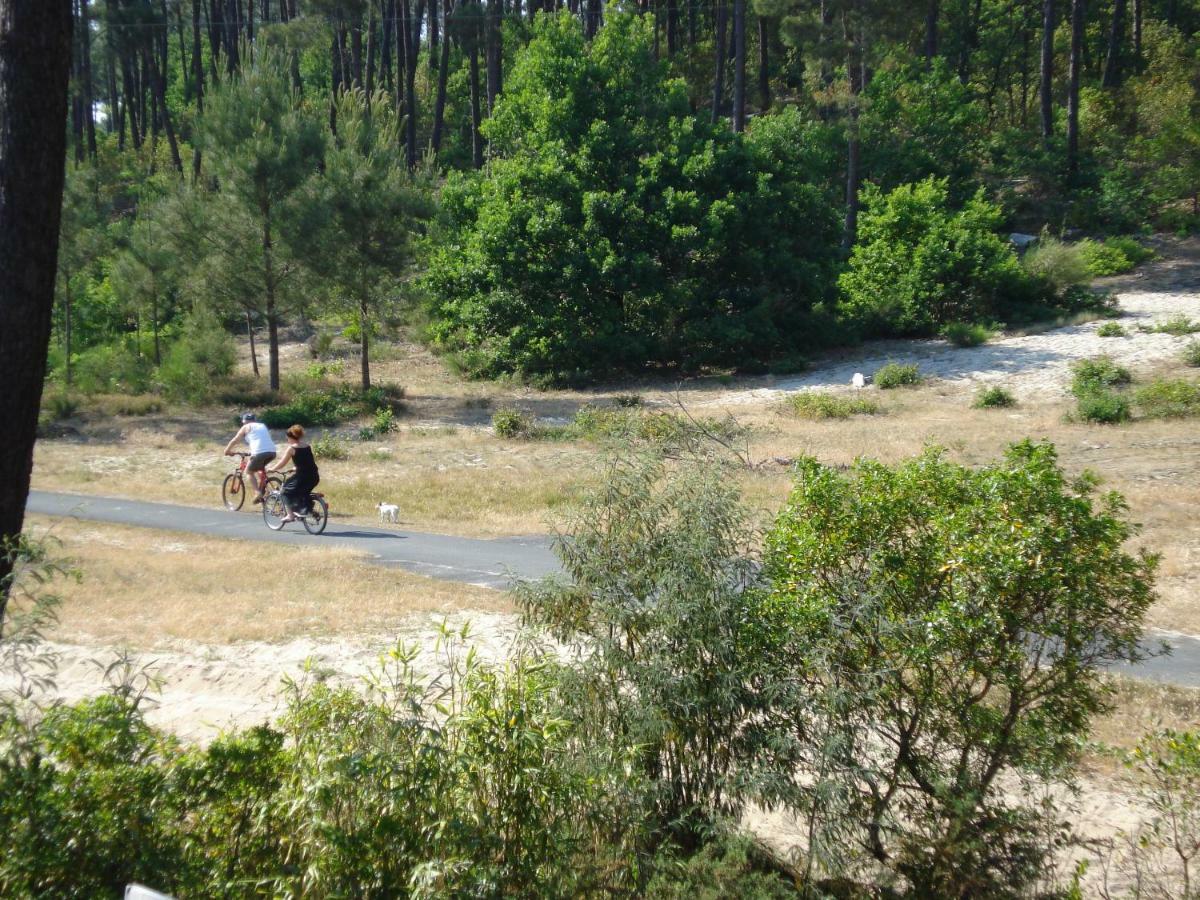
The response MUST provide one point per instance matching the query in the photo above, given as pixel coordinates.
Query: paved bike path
(489, 563)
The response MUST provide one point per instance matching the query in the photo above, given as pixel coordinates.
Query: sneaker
(258, 499)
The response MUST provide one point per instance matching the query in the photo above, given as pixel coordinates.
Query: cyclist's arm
(233, 443)
(283, 460)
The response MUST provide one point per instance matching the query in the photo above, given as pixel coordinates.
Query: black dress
(300, 483)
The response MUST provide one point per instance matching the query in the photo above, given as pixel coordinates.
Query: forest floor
(222, 625)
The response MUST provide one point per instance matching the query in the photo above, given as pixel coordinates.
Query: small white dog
(388, 512)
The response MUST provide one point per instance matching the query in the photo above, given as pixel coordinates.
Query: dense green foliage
(994, 397)
(933, 667)
(825, 405)
(614, 228)
(920, 265)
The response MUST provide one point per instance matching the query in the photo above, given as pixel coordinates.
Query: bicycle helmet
(248, 417)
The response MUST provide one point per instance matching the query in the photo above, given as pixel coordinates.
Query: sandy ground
(1035, 365)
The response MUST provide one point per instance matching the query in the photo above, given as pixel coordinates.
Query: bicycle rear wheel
(233, 492)
(317, 516)
(274, 510)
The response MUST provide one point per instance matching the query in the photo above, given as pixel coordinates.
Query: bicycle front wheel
(274, 510)
(233, 492)
(318, 516)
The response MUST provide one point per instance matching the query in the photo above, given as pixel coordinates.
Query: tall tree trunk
(855, 70)
(1046, 88)
(268, 249)
(439, 103)
(370, 76)
(364, 341)
(739, 65)
(719, 61)
(89, 97)
(435, 35)
(388, 10)
(198, 77)
(1137, 34)
(253, 349)
(1076, 65)
(77, 79)
(476, 136)
(159, 82)
(764, 65)
(154, 320)
(35, 66)
(356, 53)
(67, 323)
(1116, 37)
(672, 27)
(492, 44)
(931, 32)
(591, 21)
(411, 54)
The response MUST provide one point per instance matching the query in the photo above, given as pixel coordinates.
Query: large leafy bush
(920, 264)
(615, 229)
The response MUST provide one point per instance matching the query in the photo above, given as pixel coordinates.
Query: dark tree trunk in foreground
(35, 60)
(1076, 65)
(1047, 84)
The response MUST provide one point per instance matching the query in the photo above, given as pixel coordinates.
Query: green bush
(898, 582)
(111, 368)
(894, 375)
(919, 265)
(1177, 326)
(966, 334)
(1060, 264)
(193, 364)
(1168, 399)
(725, 867)
(326, 407)
(1103, 407)
(614, 228)
(1111, 329)
(1089, 375)
(135, 405)
(476, 787)
(824, 405)
(1191, 354)
(384, 421)
(664, 430)
(994, 398)
(61, 406)
(511, 423)
(1113, 257)
(329, 447)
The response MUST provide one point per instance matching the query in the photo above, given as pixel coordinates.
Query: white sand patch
(1029, 365)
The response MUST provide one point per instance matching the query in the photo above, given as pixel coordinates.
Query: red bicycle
(233, 488)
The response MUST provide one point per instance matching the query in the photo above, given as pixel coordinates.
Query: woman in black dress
(298, 487)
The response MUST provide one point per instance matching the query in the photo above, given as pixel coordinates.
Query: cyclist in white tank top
(262, 450)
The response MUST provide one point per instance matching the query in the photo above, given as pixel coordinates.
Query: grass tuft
(1168, 399)
(1111, 329)
(966, 334)
(825, 405)
(994, 398)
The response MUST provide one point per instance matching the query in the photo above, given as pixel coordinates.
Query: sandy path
(1029, 365)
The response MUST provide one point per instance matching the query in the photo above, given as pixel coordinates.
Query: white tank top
(259, 439)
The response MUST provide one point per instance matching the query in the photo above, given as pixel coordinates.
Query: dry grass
(144, 589)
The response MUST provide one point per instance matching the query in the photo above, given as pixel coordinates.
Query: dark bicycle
(314, 519)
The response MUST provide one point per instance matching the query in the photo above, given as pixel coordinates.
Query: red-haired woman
(297, 489)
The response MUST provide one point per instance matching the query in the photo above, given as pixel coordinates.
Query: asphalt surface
(489, 563)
